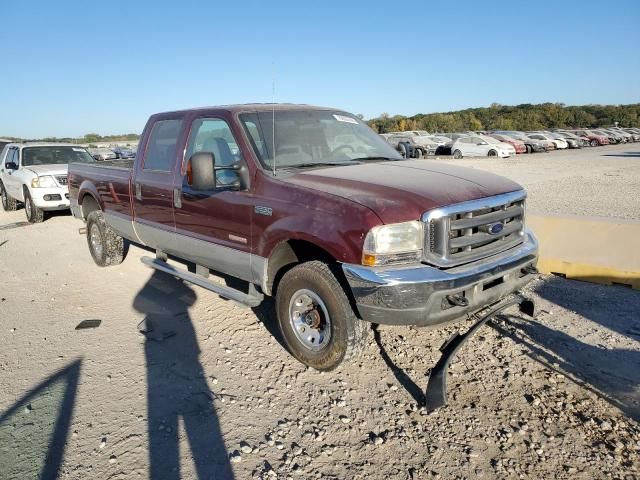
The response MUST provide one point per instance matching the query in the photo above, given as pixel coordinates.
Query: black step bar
(251, 299)
(436, 393)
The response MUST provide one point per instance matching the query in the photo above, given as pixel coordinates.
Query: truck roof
(252, 107)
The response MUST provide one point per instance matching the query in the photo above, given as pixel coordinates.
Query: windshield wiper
(316, 164)
(364, 159)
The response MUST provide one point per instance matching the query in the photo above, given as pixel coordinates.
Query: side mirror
(11, 166)
(203, 171)
(483, 143)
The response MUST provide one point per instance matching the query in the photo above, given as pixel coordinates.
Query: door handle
(138, 192)
(177, 198)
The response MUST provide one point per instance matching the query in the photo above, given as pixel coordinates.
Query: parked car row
(505, 143)
(112, 153)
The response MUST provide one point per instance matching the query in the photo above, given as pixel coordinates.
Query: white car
(558, 142)
(36, 175)
(481, 146)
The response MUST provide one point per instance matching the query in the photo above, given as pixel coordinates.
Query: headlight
(45, 181)
(393, 244)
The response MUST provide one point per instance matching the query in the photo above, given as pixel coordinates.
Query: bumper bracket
(436, 393)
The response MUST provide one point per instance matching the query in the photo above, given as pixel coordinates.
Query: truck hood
(53, 169)
(403, 190)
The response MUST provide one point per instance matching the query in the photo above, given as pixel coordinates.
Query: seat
(224, 158)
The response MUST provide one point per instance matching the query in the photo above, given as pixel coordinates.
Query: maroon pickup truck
(310, 206)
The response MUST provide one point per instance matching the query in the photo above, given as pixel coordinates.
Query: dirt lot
(211, 393)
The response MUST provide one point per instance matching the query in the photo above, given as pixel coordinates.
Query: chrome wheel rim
(309, 319)
(96, 240)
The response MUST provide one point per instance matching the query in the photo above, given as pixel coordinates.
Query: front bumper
(55, 198)
(417, 295)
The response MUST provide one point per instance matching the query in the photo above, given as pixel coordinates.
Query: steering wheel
(343, 147)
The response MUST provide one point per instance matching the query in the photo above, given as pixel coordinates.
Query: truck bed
(111, 180)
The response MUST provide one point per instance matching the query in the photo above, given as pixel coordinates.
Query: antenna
(273, 115)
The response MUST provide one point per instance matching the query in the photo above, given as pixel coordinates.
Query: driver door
(215, 225)
(10, 177)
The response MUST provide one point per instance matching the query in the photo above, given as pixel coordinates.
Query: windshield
(307, 137)
(54, 155)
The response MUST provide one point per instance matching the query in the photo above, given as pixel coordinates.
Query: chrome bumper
(417, 295)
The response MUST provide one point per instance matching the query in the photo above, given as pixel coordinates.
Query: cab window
(214, 135)
(161, 147)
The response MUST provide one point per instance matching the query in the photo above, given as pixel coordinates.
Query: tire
(457, 154)
(594, 143)
(492, 153)
(34, 214)
(529, 148)
(8, 204)
(107, 248)
(418, 153)
(309, 294)
(402, 148)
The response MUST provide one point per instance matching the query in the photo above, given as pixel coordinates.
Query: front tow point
(436, 393)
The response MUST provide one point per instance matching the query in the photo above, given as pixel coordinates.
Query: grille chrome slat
(500, 215)
(482, 238)
(62, 179)
(462, 233)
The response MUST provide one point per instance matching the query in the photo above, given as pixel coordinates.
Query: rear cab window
(160, 153)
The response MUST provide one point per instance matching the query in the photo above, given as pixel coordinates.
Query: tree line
(88, 138)
(518, 117)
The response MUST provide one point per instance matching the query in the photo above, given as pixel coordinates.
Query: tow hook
(457, 300)
(82, 230)
(436, 393)
(530, 270)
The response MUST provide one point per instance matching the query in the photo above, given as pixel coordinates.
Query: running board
(250, 300)
(436, 393)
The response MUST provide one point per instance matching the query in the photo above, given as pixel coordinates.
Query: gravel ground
(210, 392)
(600, 181)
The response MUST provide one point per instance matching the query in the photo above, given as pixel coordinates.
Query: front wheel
(34, 214)
(457, 154)
(316, 319)
(493, 153)
(594, 143)
(106, 246)
(8, 203)
(418, 153)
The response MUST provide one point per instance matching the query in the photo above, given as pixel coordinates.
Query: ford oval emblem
(495, 228)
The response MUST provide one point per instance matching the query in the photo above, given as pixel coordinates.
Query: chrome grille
(469, 231)
(62, 179)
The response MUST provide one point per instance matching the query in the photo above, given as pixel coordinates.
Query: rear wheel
(457, 154)
(106, 246)
(316, 319)
(8, 203)
(34, 214)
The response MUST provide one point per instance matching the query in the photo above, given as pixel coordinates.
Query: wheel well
(88, 204)
(288, 254)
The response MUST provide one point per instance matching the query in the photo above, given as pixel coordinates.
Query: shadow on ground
(177, 390)
(34, 431)
(622, 154)
(611, 373)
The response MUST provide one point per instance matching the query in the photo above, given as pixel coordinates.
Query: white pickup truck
(36, 175)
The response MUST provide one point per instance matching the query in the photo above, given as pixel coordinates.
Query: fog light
(51, 198)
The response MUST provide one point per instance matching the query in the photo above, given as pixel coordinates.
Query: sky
(77, 67)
